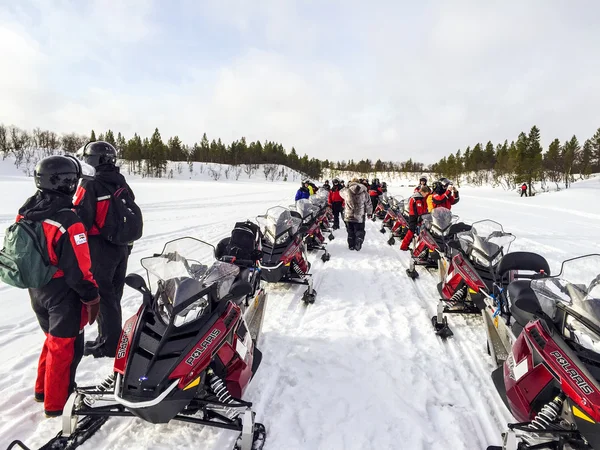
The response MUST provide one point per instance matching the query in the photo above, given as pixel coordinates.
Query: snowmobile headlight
(497, 259)
(283, 238)
(196, 310)
(479, 258)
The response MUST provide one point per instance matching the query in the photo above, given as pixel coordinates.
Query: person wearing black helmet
(336, 202)
(70, 300)
(99, 205)
(422, 182)
(444, 194)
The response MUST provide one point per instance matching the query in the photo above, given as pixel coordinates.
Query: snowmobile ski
(86, 428)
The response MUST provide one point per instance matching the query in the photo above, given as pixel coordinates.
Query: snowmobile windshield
(306, 209)
(384, 198)
(278, 225)
(397, 203)
(486, 242)
(181, 274)
(441, 219)
(576, 287)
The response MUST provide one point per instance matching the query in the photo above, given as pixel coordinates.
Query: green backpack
(24, 260)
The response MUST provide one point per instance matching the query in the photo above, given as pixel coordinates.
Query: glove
(93, 308)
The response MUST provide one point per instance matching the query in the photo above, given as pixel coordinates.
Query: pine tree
(570, 153)
(110, 138)
(156, 161)
(553, 162)
(595, 142)
(585, 159)
(93, 137)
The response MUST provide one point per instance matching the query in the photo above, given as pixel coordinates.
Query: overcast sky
(337, 79)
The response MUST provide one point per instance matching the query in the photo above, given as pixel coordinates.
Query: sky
(336, 79)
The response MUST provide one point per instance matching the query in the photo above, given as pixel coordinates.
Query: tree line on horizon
(148, 156)
(506, 164)
(523, 161)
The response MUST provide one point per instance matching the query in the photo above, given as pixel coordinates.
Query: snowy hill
(359, 369)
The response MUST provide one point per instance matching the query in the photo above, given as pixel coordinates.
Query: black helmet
(336, 181)
(423, 179)
(98, 153)
(445, 182)
(57, 174)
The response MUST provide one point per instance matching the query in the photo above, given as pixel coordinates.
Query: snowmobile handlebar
(238, 262)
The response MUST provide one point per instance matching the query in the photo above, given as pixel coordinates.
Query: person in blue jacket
(303, 192)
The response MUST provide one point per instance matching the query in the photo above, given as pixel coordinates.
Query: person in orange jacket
(417, 206)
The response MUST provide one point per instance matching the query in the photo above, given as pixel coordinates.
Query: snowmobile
(395, 220)
(436, 231)
(383, 205)
(469, 273)
(325, 215)
(311, 216)
(550, 379)
(188, 354)
(284, 258)
(242, 248)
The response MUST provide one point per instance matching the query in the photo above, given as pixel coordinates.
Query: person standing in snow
(445, 194)
(417, 206)
(357, 206)
(336, 202)
(374, 192)
(94, 202)
(422, 182)
(303, 192)
(70, 300)
(524, 190)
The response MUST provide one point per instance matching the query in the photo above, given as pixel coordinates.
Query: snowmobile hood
(356, 188)
(44, 205)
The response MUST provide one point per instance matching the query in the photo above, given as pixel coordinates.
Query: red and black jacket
(417, 205)
(445, 200)
(92, 198)
(375, 190)
(334, 195)
(66, 240)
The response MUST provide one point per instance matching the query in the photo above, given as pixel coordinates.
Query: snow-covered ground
(359, 369)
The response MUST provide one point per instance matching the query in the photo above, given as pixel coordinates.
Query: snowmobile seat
(459, 228)
(526, 261)
(520, 289)
(241, 244)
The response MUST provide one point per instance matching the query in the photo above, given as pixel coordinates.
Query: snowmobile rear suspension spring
(105, 387)
(459, 295)
(219, 388)
(548, 414)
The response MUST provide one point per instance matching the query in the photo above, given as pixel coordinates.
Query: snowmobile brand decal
(199, 351)
(572, 372)
(80, 239)
(124, 343)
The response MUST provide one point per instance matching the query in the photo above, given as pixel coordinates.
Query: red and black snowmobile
(395, 220)
(470, 272)
(312, 217)
(325, 215)
(284, 258)
(188, 354)
(436, 231)
(550, 379)
(383, 204)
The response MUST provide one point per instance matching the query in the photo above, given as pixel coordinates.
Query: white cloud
(337, 80)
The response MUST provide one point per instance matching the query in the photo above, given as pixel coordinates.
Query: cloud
(337, 80)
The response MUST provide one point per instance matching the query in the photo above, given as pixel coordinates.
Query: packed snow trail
(359, 369)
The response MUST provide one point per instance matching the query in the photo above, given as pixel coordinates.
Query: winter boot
(406, 241)
(358, 245)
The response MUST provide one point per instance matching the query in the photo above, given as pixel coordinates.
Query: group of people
(425, 199)
(87, 225)
(359, 200)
